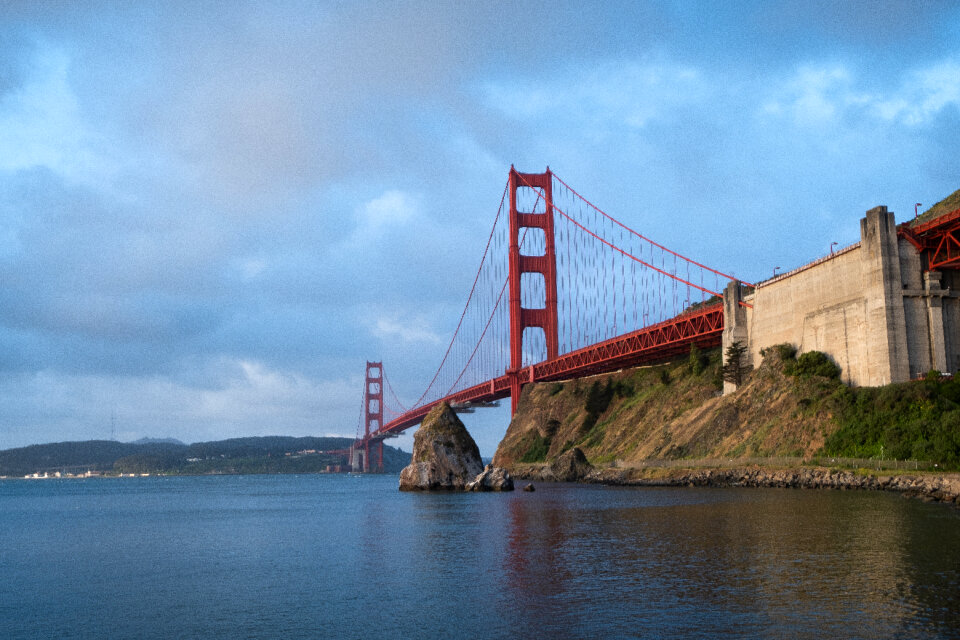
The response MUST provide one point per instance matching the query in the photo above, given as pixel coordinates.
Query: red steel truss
(938, 240)
(703, 327)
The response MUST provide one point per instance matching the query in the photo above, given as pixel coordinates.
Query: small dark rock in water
(491, 479)
(572, 465)
(530, 487)
(444, 454)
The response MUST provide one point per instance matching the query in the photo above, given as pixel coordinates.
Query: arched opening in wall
(534, 241)
(533, 291)
(534, 346)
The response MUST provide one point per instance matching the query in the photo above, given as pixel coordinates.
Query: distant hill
(158, 441)
(948, 204)
(269, 454)
(96, 455)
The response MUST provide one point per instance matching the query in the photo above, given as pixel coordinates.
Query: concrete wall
(951, 319)
(869, 306)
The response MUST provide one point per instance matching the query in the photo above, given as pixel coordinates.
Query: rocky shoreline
(933, 488)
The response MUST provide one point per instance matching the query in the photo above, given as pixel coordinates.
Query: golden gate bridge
(565, 290)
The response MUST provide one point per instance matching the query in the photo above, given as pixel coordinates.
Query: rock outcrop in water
(492, 479)
(444, 454)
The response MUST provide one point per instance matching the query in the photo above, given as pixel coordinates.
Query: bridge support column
(888, 359)
(934, 299)
(734, 323)
(356, 459)
(521, 317)
(373, 411)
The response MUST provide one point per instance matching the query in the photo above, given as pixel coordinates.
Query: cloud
(41, 124)
(923, 95)
(828, 94)
(815, 96)
(251, 399)
(607, 95)
(408, 332)
(392, 209)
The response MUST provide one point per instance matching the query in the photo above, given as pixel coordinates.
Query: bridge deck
(703, 327)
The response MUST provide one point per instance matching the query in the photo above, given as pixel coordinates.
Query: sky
(213, 214)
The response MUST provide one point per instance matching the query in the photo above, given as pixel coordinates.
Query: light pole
(919, 204)
(832, 245)
(775, 271)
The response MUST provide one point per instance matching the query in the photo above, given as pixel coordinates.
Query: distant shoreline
(98, 476)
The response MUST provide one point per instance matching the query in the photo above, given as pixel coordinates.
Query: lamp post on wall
(832, 245)
(775, 271)
(919, 204)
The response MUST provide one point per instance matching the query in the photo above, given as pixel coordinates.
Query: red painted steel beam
(657, 342)
(936, 223)
(947, 252)
(912, 237)
(938, 239)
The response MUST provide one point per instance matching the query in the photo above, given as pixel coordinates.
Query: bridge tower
(373, 414)
(521, 317)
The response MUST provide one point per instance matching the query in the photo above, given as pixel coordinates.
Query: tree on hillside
(735, 366)
(698, 360)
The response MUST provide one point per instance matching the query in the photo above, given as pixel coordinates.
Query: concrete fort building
(876, 307)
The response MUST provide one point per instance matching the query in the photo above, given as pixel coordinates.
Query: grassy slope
(671, 412)
(948, 204)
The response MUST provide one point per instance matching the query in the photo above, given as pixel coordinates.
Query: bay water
(349, 556)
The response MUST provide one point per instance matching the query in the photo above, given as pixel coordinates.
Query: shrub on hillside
(537, 450)
(811, 363)
(913, 420)
(598, 397)
(816, 363)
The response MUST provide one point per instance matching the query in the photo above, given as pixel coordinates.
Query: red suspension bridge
(563, 290)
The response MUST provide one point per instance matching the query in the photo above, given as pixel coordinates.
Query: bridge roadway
(703, 327)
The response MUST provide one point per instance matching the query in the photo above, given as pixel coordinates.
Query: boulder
(529, 487)
(491, 479)
(571, 466)
(444, 454)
